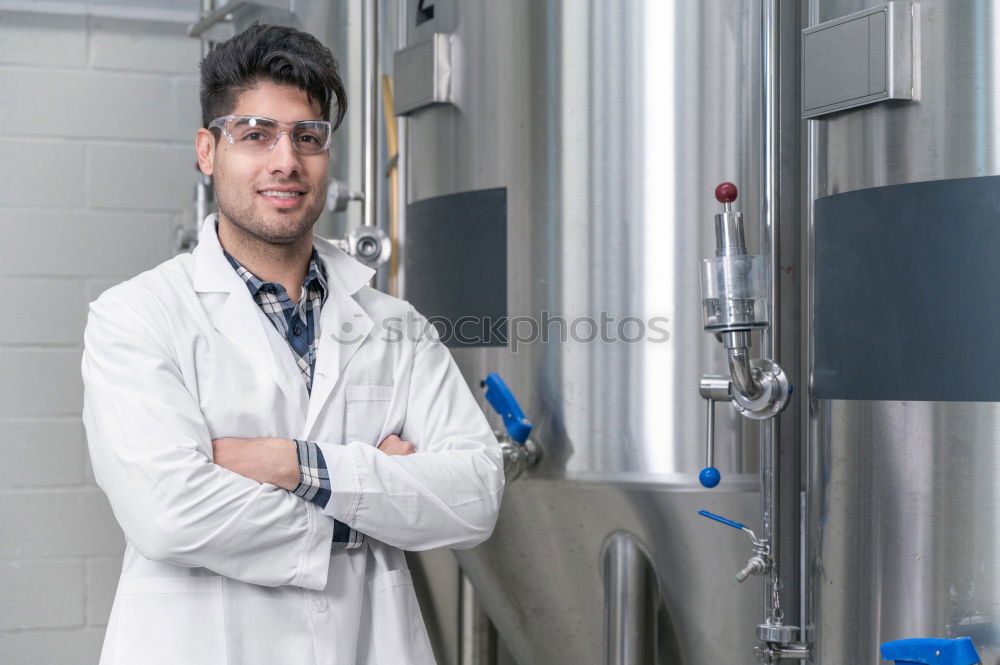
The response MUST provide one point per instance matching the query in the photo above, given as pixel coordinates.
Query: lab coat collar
(213, 273)
(343, 324)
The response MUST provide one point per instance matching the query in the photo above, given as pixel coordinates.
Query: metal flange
(774, 395)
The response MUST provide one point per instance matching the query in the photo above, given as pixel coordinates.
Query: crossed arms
(274, 460)
(179, 504)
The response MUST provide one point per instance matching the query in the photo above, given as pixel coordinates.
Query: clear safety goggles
(257, 134)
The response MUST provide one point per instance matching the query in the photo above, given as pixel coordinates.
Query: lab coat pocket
(170, 621)
(367, 408)
(397, 627)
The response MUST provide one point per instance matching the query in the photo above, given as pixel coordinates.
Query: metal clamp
(775, 391)
(368, 244)
(772, 652)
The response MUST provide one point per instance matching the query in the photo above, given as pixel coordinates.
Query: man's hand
(393, 445)
(266, 460)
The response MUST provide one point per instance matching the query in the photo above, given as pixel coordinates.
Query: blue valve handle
(931, 651)
(502, 399)
(720, 518)
(709, 477)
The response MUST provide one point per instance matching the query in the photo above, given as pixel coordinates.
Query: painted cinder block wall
(97, 117)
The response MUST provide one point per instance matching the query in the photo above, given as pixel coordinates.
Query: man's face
(242, 177)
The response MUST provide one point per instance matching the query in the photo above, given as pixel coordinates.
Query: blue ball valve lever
(720, 518)
(931, 651)
(502, 399)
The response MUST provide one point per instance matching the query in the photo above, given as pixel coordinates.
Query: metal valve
(519, 452)
(760, 562)
(734, 301)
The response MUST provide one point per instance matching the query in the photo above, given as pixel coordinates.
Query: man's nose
(283, 158)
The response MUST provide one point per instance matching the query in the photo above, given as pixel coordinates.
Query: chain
(777, 616)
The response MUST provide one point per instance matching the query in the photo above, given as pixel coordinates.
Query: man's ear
(204, 147)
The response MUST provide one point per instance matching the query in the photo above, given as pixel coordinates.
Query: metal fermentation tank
(608, 125)
(565, 156)
(904, 421)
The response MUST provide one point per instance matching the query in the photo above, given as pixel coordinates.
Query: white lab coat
(220, 569)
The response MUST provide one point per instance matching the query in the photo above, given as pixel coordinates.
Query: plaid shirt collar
(315, 278)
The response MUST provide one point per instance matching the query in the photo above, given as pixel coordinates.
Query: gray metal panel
(858, 59)
(903, 276)
(456, 264)
(835, 64)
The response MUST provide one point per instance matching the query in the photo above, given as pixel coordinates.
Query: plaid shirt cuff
(314, 486)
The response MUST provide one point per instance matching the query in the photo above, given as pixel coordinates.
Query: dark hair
(276, 54)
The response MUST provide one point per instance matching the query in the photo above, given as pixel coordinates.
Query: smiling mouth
(280, 195)
(287, 199)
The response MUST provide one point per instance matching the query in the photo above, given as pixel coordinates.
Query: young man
(267, 445)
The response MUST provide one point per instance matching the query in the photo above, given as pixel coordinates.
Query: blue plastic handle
(931, 651)
(502, 399)
(720, 518)
(709, 477)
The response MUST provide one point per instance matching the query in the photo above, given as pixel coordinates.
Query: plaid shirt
(297, 324)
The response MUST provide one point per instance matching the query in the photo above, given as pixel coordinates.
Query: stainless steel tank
(904, 444)
(608, 125)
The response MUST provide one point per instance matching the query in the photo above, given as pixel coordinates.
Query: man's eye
(253, 136)
(308, 138)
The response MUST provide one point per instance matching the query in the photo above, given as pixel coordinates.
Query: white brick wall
(97, 118)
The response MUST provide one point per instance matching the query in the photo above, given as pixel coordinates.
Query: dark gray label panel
(907, 299)
(456, 265)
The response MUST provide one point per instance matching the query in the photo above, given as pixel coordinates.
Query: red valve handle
(725, 193)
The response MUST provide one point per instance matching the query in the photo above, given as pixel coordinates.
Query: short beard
(242, 213)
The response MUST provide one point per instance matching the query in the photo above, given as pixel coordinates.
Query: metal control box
(423, 74)
(858, 59)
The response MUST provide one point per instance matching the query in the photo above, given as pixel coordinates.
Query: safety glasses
(256, 134)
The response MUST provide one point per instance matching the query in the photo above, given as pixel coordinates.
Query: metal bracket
(368, 244)
(424, 74)
(219, 25)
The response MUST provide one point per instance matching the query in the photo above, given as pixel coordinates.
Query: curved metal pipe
(739, 369)
(738, 350)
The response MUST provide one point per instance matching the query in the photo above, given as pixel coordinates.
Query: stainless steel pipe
(629, 624)
(371, 111)
(477, 639)
(769, 246)
(738, 350)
